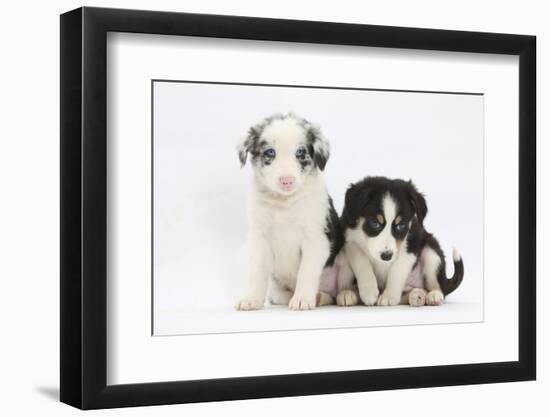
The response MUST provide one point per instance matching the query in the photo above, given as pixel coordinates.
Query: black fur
(363, 200)
(313, 139)
(252, 143)
(418, 239)
(334, 233)
(305, 160)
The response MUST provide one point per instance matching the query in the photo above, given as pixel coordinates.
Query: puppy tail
(448, 285)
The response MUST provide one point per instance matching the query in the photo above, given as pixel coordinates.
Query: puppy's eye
(374, 224)
(301, 153)
(400, 228)
(270, 153)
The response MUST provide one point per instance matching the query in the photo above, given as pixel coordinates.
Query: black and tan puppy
(392, 257)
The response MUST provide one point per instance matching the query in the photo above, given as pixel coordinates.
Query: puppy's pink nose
(287, 181)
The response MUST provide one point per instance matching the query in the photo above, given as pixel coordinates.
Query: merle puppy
(393, 258)
(294, 232)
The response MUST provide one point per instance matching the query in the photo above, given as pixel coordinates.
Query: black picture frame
(84, 194)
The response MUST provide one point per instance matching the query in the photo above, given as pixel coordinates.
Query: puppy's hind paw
(324, 299)
(417, 297)
(248, 304)
(347, 298)
(435, 298)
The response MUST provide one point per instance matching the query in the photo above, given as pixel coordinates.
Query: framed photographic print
(257, 207)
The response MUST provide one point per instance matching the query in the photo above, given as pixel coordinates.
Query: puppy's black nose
(387, 255)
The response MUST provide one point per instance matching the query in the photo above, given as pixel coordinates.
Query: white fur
(456, 255)
(277, 294)
(435, 298)
(430, 264)
(347, 291)
(347, 298)
(384, 241)
(396, 277)
(287, 241)
(355, 252)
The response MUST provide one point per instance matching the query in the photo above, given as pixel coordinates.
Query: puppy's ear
(357, 197)
(418, 201)
(247, 143)
(319, 145)
(242, 150)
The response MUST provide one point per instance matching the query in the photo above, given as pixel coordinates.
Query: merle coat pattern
(294, 231)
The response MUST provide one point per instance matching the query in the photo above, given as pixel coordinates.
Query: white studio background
(29, 213)
(200, 193)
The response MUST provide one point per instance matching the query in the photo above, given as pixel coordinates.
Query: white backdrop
(200, 193)
(29, 174)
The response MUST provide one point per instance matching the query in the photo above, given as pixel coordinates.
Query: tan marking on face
(380, 218)
(398, 219)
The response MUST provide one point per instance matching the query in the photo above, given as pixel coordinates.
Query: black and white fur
(294, 234)
(393, 258)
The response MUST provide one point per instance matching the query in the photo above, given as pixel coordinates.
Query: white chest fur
(381, 270)
(286, 224)
(357, 237)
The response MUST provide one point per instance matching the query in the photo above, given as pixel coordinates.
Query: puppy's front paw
(249, 303)
(435, 298)
(347, 298)
(369, 299)
(388, 299)
(302, 302)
